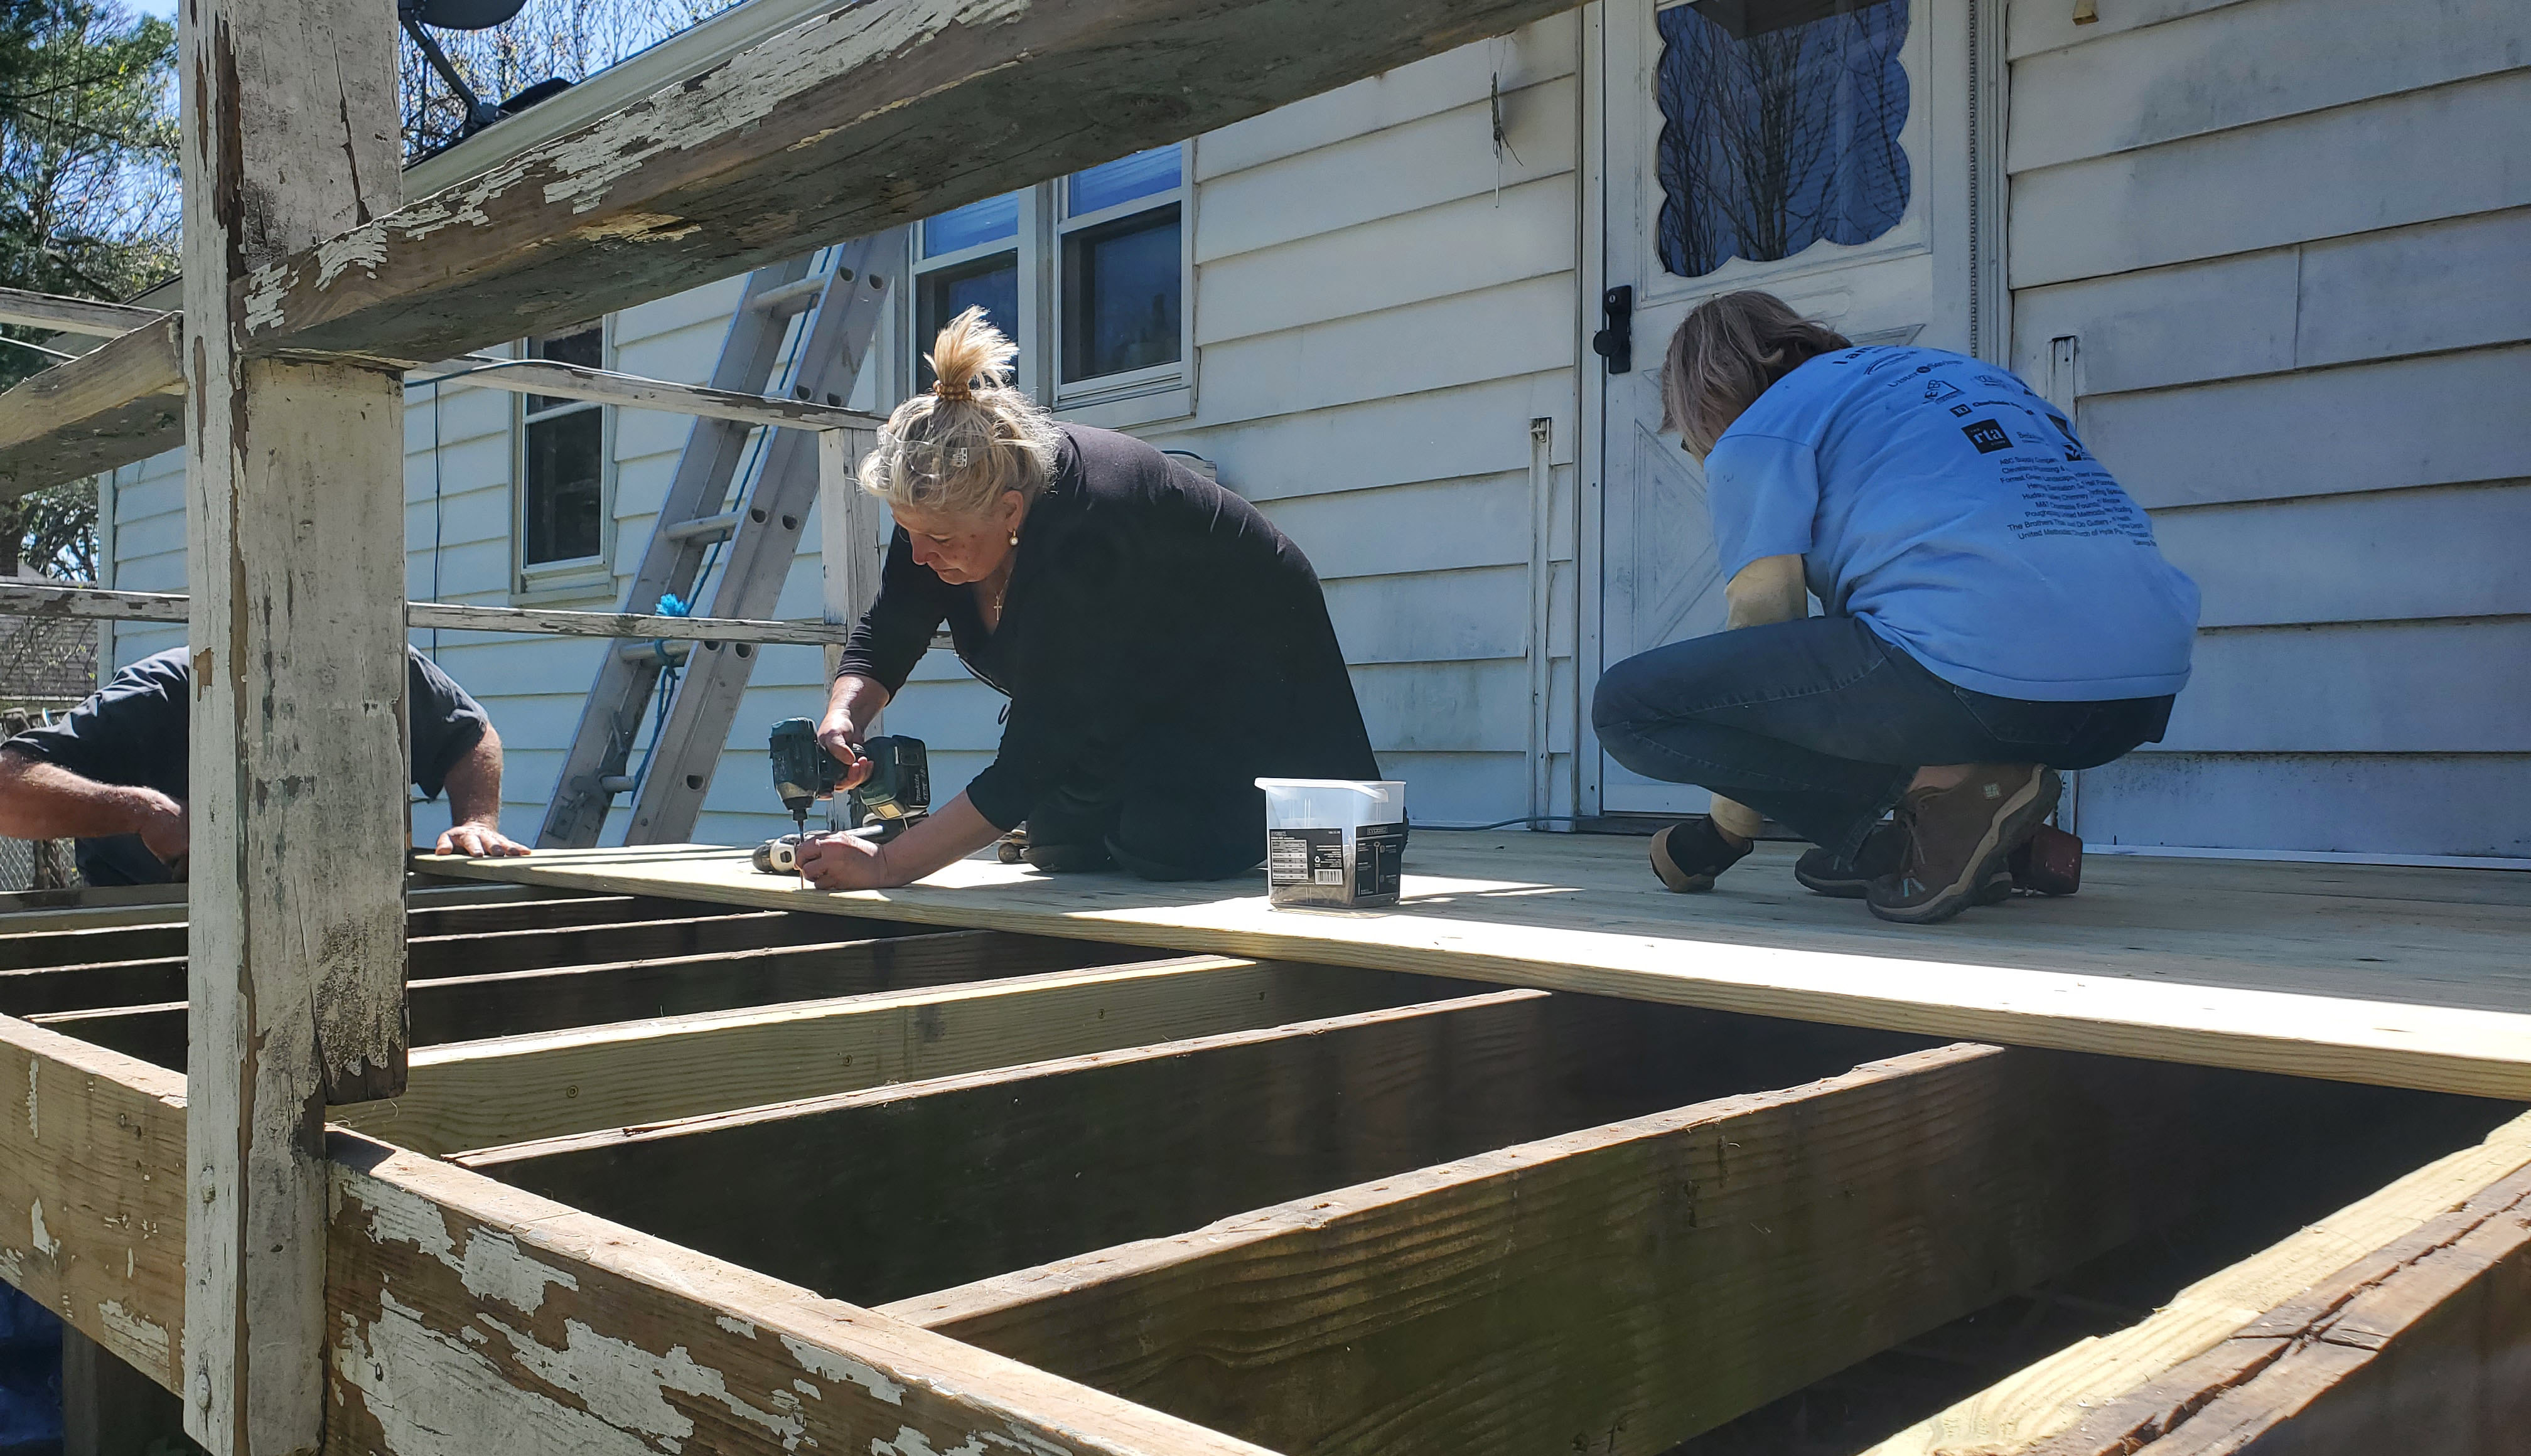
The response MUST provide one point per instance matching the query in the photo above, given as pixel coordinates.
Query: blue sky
(164, 8)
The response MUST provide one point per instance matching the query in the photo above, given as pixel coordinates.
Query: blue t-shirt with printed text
(1953, 510)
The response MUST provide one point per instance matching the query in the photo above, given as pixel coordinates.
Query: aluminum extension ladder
(840, 309)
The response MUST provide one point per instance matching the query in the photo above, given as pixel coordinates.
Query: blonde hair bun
(974, 437)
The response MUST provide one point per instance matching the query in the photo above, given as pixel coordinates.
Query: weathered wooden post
(295, 555)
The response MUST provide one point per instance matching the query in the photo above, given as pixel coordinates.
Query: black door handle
(1616, 340)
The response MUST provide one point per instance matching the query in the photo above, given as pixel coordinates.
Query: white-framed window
(566, 478)
(1091, 274)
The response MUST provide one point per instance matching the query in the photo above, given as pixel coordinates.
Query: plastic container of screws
(1334, 843)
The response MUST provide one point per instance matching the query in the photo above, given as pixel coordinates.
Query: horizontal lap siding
(1381, 306)
(460, 464)
(1384, 305)
(2293, 241)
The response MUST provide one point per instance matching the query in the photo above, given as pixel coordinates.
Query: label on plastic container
(1339, 869)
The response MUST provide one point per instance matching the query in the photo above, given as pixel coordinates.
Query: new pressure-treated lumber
(2403, 977)
(1632, 1285)
(93, 1207)
(509, 1003)
(470, 1316)
(2423, 1345)
(894, 1191)
(515, 1089)
(294, 546)
(2023, 1414)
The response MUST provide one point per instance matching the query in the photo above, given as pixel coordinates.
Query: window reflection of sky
(1774, 141)
(989, 222)
(1142, 174)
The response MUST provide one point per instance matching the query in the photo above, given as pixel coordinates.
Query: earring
(1015, 537)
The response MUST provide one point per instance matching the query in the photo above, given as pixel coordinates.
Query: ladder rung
(643, 651)
(617, 783)
(790, 298)
(718, 528)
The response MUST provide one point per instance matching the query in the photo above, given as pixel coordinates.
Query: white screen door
(1815, 150)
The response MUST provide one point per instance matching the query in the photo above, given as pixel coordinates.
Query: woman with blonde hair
(1163, 646)
(1997, 610)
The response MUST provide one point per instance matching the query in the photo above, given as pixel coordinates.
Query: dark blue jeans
(1820, 724)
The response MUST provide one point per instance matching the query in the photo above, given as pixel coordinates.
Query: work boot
(1841, 879)
(1824, 872)
(1960, 841)
(1688, 854)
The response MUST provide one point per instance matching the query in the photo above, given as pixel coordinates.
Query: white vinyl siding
(2293, 239)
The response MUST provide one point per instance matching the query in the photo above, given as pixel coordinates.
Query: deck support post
(295, 549)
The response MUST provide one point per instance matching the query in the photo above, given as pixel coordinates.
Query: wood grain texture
(573, 381)
(120, 401)
(82, 316)
(2054, 1396)
(510, 1003)
(855, 120)
(1629, 1286)
(92, 1209)
(470, 1316)
(156, 971)
(512, 1089)
(2423, 1345)
(2405, 977)
(1154, 1140)
(294, 548)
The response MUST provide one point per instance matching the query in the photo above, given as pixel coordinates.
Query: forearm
(474, 783)
(1767, 591)
(46, 800)
(856, 698)
(953, 833)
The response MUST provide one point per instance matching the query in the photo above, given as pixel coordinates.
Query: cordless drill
(897, 794)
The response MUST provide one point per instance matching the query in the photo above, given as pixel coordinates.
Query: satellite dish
(464, 15)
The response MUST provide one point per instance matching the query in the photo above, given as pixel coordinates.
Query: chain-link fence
(48, 665)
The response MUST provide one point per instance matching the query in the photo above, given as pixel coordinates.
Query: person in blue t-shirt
(1996, 610)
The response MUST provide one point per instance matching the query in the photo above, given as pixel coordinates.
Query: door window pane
(989, 222)
(1120, 295)
(1779, 128)
(990, 283)
(565, 453)
(1144, 174)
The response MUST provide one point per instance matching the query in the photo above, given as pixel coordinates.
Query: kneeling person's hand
(843, 862)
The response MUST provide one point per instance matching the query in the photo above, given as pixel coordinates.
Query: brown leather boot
(1960, 840)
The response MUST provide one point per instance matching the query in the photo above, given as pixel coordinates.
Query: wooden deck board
(2401, 977)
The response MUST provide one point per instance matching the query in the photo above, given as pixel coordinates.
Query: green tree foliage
(90, 206)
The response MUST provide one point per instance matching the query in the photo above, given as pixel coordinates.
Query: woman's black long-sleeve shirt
(1156, 632)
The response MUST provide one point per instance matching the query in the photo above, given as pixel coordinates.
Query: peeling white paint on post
(295, 545)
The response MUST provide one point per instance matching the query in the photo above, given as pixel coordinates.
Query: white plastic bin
(1334, 842)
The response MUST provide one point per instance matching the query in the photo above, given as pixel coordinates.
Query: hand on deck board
(480, 841)
(846, 861)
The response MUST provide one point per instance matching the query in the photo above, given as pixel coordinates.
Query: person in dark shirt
(113, 772)
(1163, 646)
